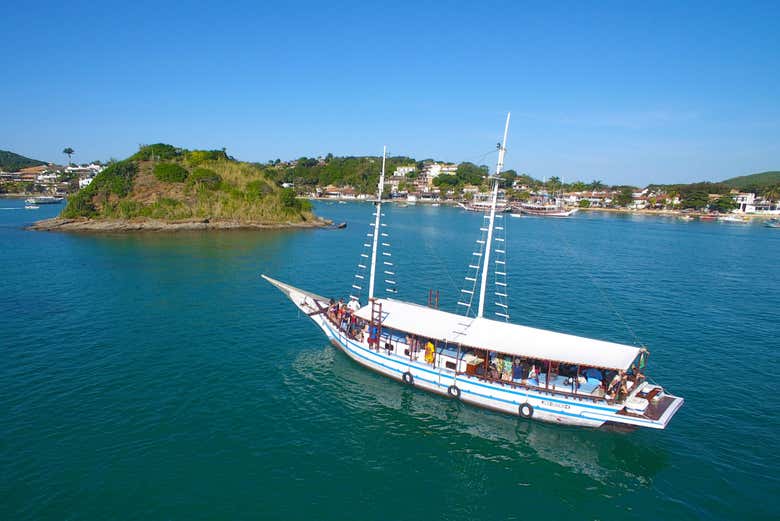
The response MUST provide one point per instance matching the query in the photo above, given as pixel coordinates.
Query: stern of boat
(651, 406)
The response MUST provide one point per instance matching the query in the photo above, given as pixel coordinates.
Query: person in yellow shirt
(429, 352)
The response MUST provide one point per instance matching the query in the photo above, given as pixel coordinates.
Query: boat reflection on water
(609, 458)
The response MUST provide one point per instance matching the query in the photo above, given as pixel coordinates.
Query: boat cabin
(505, 353)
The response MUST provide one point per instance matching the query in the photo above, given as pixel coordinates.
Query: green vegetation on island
(11, 162)
(166, 183)
(754, 181)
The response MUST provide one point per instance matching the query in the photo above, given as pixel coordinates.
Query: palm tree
(69, 152)
(596, 185)
(772, 193)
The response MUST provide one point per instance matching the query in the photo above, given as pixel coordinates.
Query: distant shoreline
(152, 225)
(661, 213)
(19, 196)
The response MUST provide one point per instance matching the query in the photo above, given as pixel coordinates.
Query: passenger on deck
(430, 352)
(533, 373)
(615, 385)
(518, 372)
(373, 337)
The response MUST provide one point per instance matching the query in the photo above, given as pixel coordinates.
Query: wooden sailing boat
(519, 370)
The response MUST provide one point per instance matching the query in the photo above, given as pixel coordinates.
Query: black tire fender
(526, 410)
(454, 391)
(408, 378)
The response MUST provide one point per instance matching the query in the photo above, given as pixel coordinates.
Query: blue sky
(663, 92)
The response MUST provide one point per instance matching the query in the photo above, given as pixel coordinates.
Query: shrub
(158, 151)
(204, 177)
(117, 179)
(79, 205)
(170, 172)
(197, 157)
(288, 198)
(258, 188)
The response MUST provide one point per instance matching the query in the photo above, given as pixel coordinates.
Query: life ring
(526, 410)
(408, 378)
(454, 391)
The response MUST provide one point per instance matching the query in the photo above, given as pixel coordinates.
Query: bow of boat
(305, 300)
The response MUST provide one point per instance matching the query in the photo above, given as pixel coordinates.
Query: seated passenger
(614, 385)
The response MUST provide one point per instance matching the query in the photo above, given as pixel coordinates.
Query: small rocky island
(164, 188)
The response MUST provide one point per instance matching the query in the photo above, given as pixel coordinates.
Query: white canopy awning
(511, 339)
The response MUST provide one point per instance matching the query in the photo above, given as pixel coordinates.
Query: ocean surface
(156, 376)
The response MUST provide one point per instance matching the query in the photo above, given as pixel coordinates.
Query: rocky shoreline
(152, 225)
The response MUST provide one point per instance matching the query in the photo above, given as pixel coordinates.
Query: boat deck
(655, 409)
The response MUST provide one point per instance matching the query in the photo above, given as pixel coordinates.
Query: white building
(745, 202)
(401, 171)
(48, 177)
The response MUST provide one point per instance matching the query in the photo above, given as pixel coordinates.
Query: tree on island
(596, 185)
(68, 152)
(625, 197)
(724, 204)
(695, 200)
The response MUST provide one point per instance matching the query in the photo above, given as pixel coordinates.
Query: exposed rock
(151, 225)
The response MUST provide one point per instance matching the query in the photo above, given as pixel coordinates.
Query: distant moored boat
(44, 199)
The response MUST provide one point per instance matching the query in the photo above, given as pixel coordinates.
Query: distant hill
(760, 180)
(164, 183)
(10, 162)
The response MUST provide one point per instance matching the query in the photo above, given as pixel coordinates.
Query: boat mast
(378, 214)
(489, 241)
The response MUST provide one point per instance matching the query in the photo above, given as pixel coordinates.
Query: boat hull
(506, 398)
(548, 213)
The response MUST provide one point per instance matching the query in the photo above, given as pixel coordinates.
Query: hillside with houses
(355, 178)
(437, 181)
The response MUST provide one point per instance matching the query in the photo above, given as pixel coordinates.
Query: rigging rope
(604, 296)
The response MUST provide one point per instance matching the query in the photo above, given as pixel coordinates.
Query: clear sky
(662, 92)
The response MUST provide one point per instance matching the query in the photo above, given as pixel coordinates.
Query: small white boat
(44, 199)
(483, 203)
(772, 223)
(488, 363)
(547, 208)
(732, 219)
(31, 207)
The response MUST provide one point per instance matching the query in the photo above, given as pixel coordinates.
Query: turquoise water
(156, 376)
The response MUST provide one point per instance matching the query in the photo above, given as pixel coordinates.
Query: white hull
(44, 199)
(547, 406)
(548, 213)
